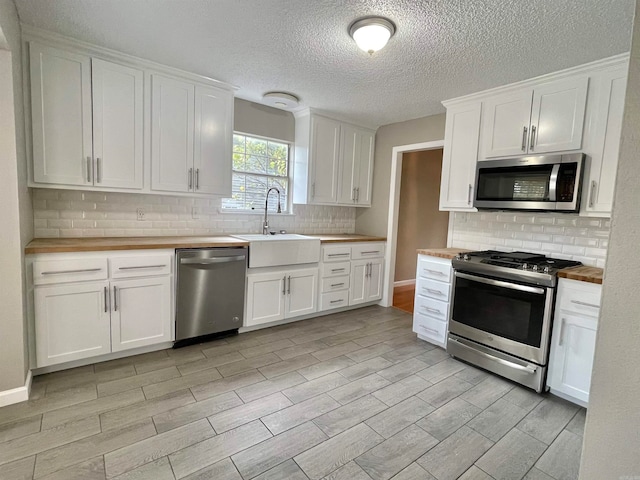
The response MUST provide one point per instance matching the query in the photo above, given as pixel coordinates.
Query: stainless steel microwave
(542, 183)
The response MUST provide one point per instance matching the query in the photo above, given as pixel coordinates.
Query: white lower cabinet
(279, 295)
(77, 316)
(366, 284)
(573, 340)
(431, 304)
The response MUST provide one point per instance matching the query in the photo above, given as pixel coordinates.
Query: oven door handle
(500, 283)
(528, 369)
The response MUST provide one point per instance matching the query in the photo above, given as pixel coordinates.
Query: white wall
(557, 235)
(612, 435)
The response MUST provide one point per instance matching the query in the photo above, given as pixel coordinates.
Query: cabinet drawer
(336, 253)
(432, 308)
(48, 272)
(429, 267)
(335, 283)
(579, 297)
(430, 328)
(367, 250)
(334, 300)
(433, 289)
(335, 269)
(142, 266)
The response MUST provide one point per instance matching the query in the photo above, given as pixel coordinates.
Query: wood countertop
(98, 244)
(448, 253)
(583, 273)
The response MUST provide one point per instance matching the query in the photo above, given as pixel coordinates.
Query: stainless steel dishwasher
(210, 291)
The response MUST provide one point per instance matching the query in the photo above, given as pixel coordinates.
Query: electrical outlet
(141, 214)
(195, 213)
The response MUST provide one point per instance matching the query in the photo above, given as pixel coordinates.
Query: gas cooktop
(529, 267)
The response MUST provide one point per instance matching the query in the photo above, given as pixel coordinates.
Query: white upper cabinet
(117, 125)
(213, 134)
(333, 162)
(191, 134)
(61, 116)
(546, 118)
(172, 133)
(459, 156)
(602, 140)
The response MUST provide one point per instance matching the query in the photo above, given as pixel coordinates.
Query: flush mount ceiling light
(283, 100)
(372, 33)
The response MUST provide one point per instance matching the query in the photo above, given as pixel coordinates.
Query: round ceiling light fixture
(372, 33)
(283, 100)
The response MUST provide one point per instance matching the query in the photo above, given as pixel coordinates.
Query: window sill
(228, 211)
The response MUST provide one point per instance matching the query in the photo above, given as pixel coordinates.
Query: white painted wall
(612, 439)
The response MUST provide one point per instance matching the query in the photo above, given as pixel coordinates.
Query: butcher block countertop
(583, 274)
(448, 253)
(95, 244)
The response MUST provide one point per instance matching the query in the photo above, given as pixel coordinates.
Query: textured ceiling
(442, 48)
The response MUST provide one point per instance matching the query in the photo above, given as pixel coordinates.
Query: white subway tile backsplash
(69, 213)
(559, 235)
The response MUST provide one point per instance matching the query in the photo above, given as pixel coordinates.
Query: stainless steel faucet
(265, 224)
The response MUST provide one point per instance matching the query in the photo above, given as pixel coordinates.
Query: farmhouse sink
(281, 249)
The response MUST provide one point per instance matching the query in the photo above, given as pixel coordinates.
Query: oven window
(523, 184)
(508, 313)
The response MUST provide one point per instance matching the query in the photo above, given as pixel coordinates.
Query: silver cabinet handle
(284, 285)
(98, 170)
(432, 310)
(353, 194)
(592, 193)
(370, 252)
(435, 292)
(141, 266)
(561, 335)
(337, 284)
(338, 255)
(469, 194)
(585, 304)
(524, 138)
(82, 270)
(313, 190)
(432, 330)
(105, 299)
(89, 165)
(333, 270)
(115, 298)
(289, 287)
(533, 137)
(435, 272)
(337, 301)
(357, 194)
(197, 179)
(190, 178)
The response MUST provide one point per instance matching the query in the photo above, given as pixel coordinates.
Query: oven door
(512, 317)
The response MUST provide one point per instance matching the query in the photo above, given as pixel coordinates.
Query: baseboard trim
(16, 395)
(404, 283)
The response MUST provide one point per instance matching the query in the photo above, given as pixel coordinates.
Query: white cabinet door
(117, 125)
(213, 135)
(505, 124)
(265, 298)
(71, 322)
(572, 350)
(366, 140)
(324, 150)
(374, 282)
(140, 312)
(349, 165)
(603, 144)
(557, 116)
(459, 157)
(358, 287)
(61, 116)
(302, 289)
(172, 124)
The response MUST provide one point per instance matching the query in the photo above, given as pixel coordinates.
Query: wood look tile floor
(353, 395)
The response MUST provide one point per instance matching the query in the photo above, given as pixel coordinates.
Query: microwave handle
(553, 182)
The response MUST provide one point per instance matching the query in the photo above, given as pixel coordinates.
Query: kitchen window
(258, 164)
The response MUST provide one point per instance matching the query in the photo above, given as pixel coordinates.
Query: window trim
(288, 205)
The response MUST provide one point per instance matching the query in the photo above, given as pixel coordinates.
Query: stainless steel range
(502, 312)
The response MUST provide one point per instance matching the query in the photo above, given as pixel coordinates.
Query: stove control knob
(458, 257)
(465, 257)
(525, 266)
(535, 268)
(546, 269)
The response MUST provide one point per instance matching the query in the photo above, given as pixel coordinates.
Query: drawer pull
(333, 270)
(82, 270)
(337, 301)
(435, 292)
(432, 310)
(371, 252)
(105, 299)
(141, 266)
(585, 304)
(337, 284)
(435, 272)
(432, 330)
(338, 254)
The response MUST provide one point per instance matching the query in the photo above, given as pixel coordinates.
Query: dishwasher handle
(210, 261)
